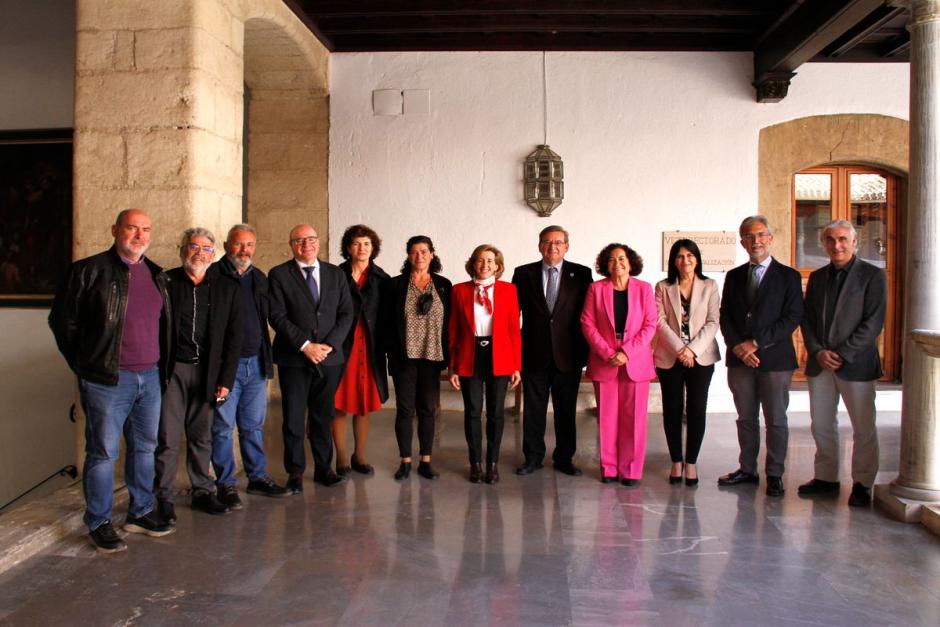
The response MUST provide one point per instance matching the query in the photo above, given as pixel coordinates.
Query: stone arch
(788, 147)
(287, 129)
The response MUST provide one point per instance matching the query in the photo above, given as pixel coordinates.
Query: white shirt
(482, 319)
(316, 277)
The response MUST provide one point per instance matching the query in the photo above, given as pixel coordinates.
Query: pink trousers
(621, 405)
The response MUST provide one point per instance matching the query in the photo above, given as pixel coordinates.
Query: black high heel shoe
(691, 482)
(675, 480)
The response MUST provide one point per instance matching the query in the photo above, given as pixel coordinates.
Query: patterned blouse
(423, 331)
(684, 333)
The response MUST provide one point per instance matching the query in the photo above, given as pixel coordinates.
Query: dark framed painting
(35, 215)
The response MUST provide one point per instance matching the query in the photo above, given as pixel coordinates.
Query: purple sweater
(140, 345)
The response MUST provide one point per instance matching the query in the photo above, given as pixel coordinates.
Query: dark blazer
(552, 336)
(394, 292)
(225, 328)
(365, 304)
(297, 320)
(858, 319)
(259, 289)
(770, 320)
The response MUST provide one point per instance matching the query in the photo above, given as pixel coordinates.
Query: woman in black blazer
(364, 386)
(416, 306)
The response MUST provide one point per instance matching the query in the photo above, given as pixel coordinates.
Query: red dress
(357, 393)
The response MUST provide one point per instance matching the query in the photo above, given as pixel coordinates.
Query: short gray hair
(748, 221)
(837, 224)
(240, 227)
(196, 231)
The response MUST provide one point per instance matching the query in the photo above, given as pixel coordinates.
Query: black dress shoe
(328, 479)
(818, 486)
(207, 502)
(362, 469)
(403, 472)
(476, 473)
(860, 497)
(167, 512)
(528, 468)
(492, 474)
(675, 480)
(342, 471)
(737, 478)
(295, 485)
(606, 479)
(427, 471)
(692, 483)
(568, 468)
(629, 483)
(774, 486)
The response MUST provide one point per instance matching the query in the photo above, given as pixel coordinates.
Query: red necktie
(483, 296)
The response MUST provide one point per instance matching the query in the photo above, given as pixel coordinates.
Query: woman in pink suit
(619, 322)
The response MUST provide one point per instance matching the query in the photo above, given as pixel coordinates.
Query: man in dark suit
(206, 340)
(311, 312)
(761, 306)
(844, 313)
(551, 296)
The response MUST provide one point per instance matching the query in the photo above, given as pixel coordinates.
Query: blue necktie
(312, 285)
(551, 289)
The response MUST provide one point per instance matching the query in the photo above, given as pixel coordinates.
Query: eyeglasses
(300, 241)
(195, 248)
(753, 237)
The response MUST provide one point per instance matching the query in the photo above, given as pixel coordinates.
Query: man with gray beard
(248, 400)
(206, 337)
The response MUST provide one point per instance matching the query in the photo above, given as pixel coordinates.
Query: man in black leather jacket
(109, 319)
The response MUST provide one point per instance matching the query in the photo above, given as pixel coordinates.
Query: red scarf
(483, 296)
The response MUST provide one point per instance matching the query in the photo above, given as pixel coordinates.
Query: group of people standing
(159, 354)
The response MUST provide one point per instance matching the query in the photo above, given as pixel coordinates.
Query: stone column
(918, 481)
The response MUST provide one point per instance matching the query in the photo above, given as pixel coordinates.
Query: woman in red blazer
(619, 322)
(485, 353)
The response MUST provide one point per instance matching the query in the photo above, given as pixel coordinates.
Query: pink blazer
(597, 324)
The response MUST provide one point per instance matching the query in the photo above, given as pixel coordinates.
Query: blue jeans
(246, 406)
(132, 407)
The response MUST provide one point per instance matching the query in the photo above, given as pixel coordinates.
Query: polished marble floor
(547, 549)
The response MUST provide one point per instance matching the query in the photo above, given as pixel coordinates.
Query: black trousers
(563, 389)
(184, 409)
(416, 388)
(307, 399)
(692, 383)
(483, 384)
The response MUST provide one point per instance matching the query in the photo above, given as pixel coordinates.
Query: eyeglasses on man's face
(303, 241)
(195, 248)
(753, 237)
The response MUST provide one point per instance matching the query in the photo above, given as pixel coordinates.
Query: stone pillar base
(900, 508)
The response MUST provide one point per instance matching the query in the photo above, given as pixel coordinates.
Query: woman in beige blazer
(685, 354)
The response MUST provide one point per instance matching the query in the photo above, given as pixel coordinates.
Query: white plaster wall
(37, 57)
(37, 60)
(651, 142)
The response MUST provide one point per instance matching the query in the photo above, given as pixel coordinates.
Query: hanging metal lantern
(544, 181)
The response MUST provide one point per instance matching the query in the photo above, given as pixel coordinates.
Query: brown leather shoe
(492, 473)
(476, 473)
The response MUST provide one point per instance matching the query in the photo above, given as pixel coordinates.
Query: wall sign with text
(719, 248)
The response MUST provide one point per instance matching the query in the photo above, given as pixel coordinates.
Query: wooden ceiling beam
(812, 27)
(387, 8)
(875, 21)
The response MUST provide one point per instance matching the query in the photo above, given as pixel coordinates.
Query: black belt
(192, 361)
(483, 342)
